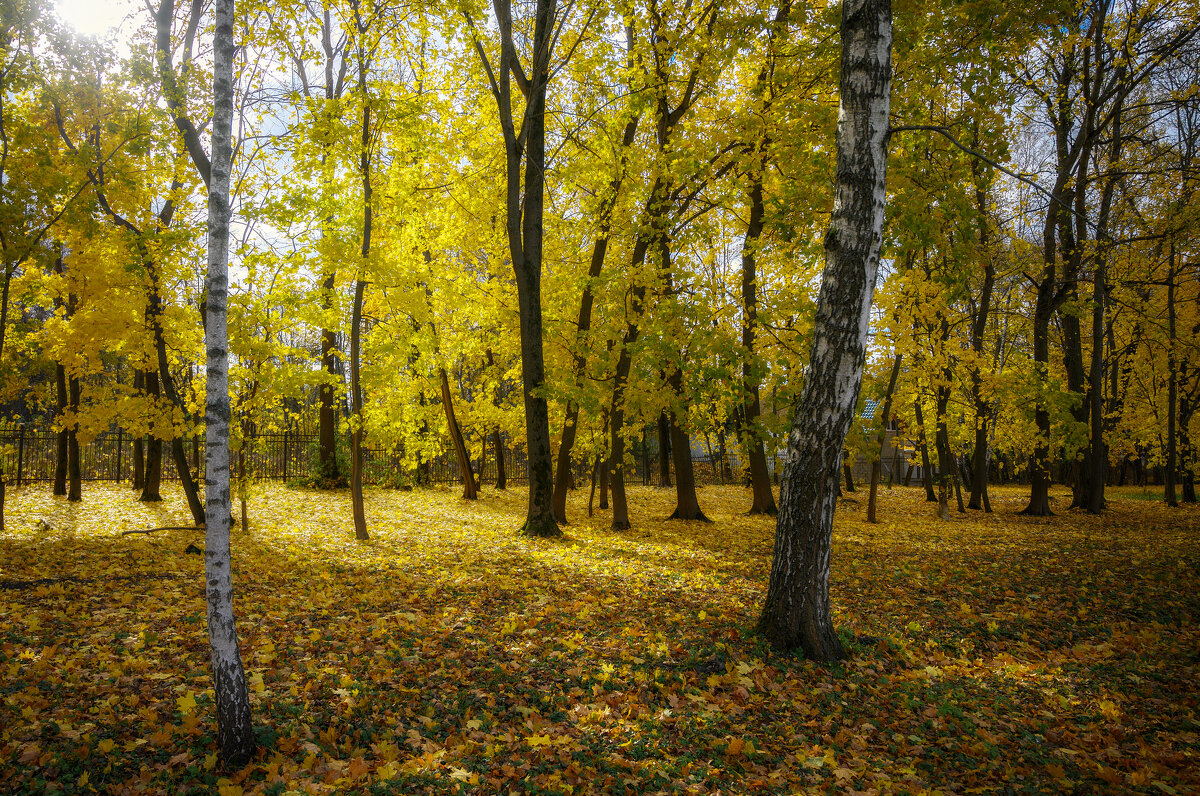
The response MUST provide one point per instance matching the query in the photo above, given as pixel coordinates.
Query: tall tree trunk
(562, 473)
(796, 613)
(357, 508)
(664, 449)
(328, 415)
(881, 438)
(165, 383)
(616, 413)
(152, 484)
(926, 469)
(235, 738)
(1172, 387)
(60, 458)
(687, 503)
(74, 476)
(604, 469)
(498, 447)
(751, 432)
(139, 451)
(524, 202)
(191, 489)
(1187, 452)
(979, 475)
(470, 485)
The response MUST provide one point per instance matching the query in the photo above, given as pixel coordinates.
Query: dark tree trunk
(498, 447)
(849, 475)
(470, 485)
(979, 476)
(152, 484)
(139, 451)
(74, 477)
(926, 470)
(327, 462)
(796, 613)
(357, 507)
(60, 458)
(524, 204)
(664, 449)
(881, 438)
(190, 488)
(687, 503)
(1172, 388)
(583, 325)
(763, 497)
(166, 384)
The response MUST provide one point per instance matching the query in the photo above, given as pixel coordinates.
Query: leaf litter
(450, 655)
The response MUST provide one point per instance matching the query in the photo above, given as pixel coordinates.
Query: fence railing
(28, 455)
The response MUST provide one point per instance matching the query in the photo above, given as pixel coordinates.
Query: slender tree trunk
(881, 438)
(357, 508)
(604, 484)
(796, 613)
(470, 485)
(524, 203)
(166, 384)
(328, 415)
(74, 476)
(139, 452)
(849, 475)
(763, 497)
(664, 450)
(60, 458)
(498, 447)
(191, 489)
(152, 484)
(235, 738)
(979, 475)
(583, 325)
(687, 503)
(926, 470)
(1172, 388)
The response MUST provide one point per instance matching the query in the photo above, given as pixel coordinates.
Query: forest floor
(446, 655)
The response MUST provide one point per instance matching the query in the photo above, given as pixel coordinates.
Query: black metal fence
(28, 454)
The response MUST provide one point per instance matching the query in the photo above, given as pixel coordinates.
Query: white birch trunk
(797, 614)
(235, 739)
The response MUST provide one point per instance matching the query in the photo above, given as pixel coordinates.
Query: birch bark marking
(796, 613)
(235, 740)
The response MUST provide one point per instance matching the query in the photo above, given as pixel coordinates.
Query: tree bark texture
(796, 613)
(235, 739)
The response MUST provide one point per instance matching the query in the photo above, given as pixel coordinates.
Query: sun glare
(93, 17)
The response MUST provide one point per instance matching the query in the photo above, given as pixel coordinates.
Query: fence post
(285, 454)
(20, 454)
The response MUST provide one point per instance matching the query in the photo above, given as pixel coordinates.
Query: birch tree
(796, 613)
(235, 739)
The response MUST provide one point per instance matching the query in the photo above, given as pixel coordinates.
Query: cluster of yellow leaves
(450, 655)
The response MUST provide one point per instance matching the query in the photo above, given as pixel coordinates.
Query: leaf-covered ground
(448, 655)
